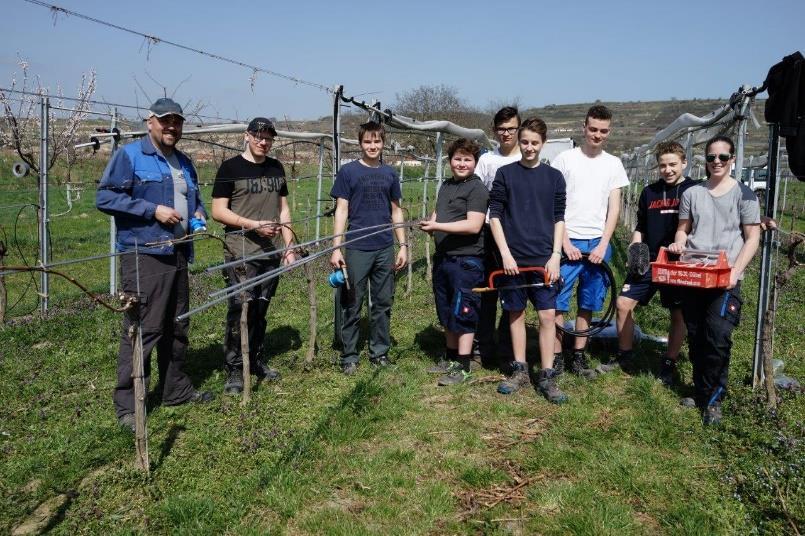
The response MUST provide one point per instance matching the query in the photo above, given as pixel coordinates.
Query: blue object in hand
(197, 225)
(336, 278)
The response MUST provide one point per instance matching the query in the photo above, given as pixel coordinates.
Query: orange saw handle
(491, 281)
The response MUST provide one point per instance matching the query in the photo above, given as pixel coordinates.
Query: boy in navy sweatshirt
(526, 211)
(657, 219)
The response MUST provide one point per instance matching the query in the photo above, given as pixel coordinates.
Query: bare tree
(439, 102)
(22, 119)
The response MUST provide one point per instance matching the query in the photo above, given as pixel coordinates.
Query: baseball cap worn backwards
(261, 124)
(166, 106)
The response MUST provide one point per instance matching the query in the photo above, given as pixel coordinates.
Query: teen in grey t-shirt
(719, 214)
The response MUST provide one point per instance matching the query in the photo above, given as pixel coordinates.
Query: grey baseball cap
(166, 106)
(261, 124)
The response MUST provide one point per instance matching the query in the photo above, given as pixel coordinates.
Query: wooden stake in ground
(244, 348)
(769, 316)
(428, 269)
(3, 294)
(138, 375)
(314, 313)
(409, 281)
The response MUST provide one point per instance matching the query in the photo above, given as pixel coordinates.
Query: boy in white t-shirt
(594, 179)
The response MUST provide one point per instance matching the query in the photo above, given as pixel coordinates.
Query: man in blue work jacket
(151, 189)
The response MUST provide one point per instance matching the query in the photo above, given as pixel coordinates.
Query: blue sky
(539, 52)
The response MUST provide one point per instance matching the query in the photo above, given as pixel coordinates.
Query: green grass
(383, 452)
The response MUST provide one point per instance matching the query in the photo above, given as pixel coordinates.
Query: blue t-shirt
(369, 192)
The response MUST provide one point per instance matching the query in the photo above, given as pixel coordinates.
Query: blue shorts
(542, 298)
(454, 278)
(593, 283)
(640, 289)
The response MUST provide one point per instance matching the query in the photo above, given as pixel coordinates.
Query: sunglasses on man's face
(724, 157)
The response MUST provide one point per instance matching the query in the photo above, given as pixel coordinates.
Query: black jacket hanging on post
(786, 106)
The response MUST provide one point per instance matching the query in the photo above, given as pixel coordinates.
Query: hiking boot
(711, 416)
(546, 384)
(126, 421)
(196, 397)
(558, 363)
(580, 367)
(200, 397)
(622, 360)
(263, 371)
(687, 402)
(667, 372)
(456, 374)
(381, 361)
(234, 382)
(442, 367)
(517, 379)
(348, 369)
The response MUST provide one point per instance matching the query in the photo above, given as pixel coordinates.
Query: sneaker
(126, 421)
(442, 367)
(234, 382)
(263, 371)
(348, 369)
(687, 402)
(580, 367)
(455, 375)
(546, 384)
(517, 379)
(381, 361)
(622, 360)
(558, 363)
(667, 372)
(711, 416)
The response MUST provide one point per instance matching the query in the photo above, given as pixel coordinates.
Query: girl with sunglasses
(717, 214)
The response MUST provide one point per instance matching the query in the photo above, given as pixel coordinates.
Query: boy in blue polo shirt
(367, 194)
(458, 265)
(526, 214)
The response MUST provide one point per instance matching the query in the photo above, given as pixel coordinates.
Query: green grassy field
(383, 452)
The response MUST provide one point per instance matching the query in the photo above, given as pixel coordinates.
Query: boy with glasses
(367, 194)
(505, 125)
(594, 179)
(250, 198)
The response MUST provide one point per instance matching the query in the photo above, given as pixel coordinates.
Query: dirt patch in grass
(511, 493)
(502, 436)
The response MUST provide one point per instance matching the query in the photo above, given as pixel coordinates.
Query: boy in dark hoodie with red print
(657, 219)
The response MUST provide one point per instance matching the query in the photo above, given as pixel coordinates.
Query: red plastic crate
(696, 274)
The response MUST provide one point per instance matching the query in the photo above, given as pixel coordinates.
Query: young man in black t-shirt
(250, 198)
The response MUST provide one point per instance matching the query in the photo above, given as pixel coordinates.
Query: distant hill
(635, 122)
